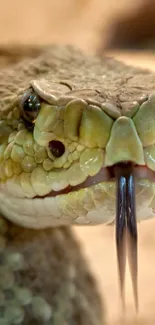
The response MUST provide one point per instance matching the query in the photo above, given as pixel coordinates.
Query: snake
(77, 147)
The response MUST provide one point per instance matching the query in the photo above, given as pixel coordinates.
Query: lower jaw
(95, 204)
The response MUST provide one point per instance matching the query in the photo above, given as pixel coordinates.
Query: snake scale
(74, 130)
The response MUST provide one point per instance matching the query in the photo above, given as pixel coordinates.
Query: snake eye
(30, 106)
(57, 148)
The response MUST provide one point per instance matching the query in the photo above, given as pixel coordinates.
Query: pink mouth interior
(105, 174)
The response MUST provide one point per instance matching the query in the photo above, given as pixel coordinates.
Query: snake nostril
(57, 148)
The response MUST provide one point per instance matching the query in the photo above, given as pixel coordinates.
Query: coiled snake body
(69, 125)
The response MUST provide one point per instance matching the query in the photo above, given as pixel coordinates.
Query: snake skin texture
(44, 280)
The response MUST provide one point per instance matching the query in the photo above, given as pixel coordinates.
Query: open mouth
(105, 174)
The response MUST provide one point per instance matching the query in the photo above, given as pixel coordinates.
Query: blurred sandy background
(79, 22)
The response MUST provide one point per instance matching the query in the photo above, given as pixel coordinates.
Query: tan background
(79, 22)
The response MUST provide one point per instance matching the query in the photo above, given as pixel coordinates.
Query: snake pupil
(57, 148)
(30, 107)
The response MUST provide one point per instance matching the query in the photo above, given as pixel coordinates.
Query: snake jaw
(126, 226)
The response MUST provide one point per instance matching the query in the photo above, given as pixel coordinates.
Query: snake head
(72, 156)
